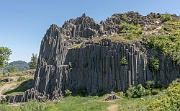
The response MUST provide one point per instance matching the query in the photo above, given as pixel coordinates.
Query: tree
(33, 62)
(4, 56)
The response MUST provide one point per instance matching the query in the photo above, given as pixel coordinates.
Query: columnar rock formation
(94, 67)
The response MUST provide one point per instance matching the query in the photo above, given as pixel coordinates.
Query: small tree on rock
(154, 64)
(123, 61)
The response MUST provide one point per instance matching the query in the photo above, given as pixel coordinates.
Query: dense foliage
(154, 64)
(4, 56)
(169, 42)
(166, 17)
(135, 92)
(132, 31)
(150, 88)
(171, 102)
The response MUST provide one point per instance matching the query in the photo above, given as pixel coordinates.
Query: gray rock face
(81, 27)
(94, 67)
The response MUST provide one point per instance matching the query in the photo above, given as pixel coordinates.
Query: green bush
(149, 85)
(154, 64)
(166, 17)
(135, 92)
(140, 91)
(158, 85)
(123, 61)
(152, 84)
(124, 17)
(152, 87)
(147, 92)
(171, 102)
(169, 44)
(154, 92)
(68, 92)
(130, 91)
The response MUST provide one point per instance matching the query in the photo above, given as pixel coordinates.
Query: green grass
(77, 103)
(5, 107)
(2, 83)
(137, 104)
(88, 103)
(18, 73)
(75, 46)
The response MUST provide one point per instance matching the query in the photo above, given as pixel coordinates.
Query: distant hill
(20, 65)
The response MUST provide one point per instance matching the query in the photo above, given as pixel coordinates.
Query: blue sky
(23, 23)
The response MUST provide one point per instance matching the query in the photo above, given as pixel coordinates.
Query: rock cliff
(92, 66)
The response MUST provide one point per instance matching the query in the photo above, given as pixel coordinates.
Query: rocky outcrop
(95, 67)
(6, 80)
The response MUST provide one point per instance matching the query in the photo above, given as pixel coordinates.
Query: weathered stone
(94, 66)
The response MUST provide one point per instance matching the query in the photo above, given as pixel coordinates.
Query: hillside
(119, 53)
(104, 56)
(20, 65)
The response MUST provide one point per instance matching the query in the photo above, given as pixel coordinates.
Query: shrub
(158, 85)
(168, 44)
(154, 64)
(130, 91)
(154, 92)
(149, 85)
(68, 92)
(135, 92)
(123, 61)
(166, 17)
(171, 102)
(140, 91)
(124, 17)
(152, 87)
(147, 92)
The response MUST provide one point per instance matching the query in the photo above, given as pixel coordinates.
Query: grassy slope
(20, 88)
(22, 79)
(89, 103)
